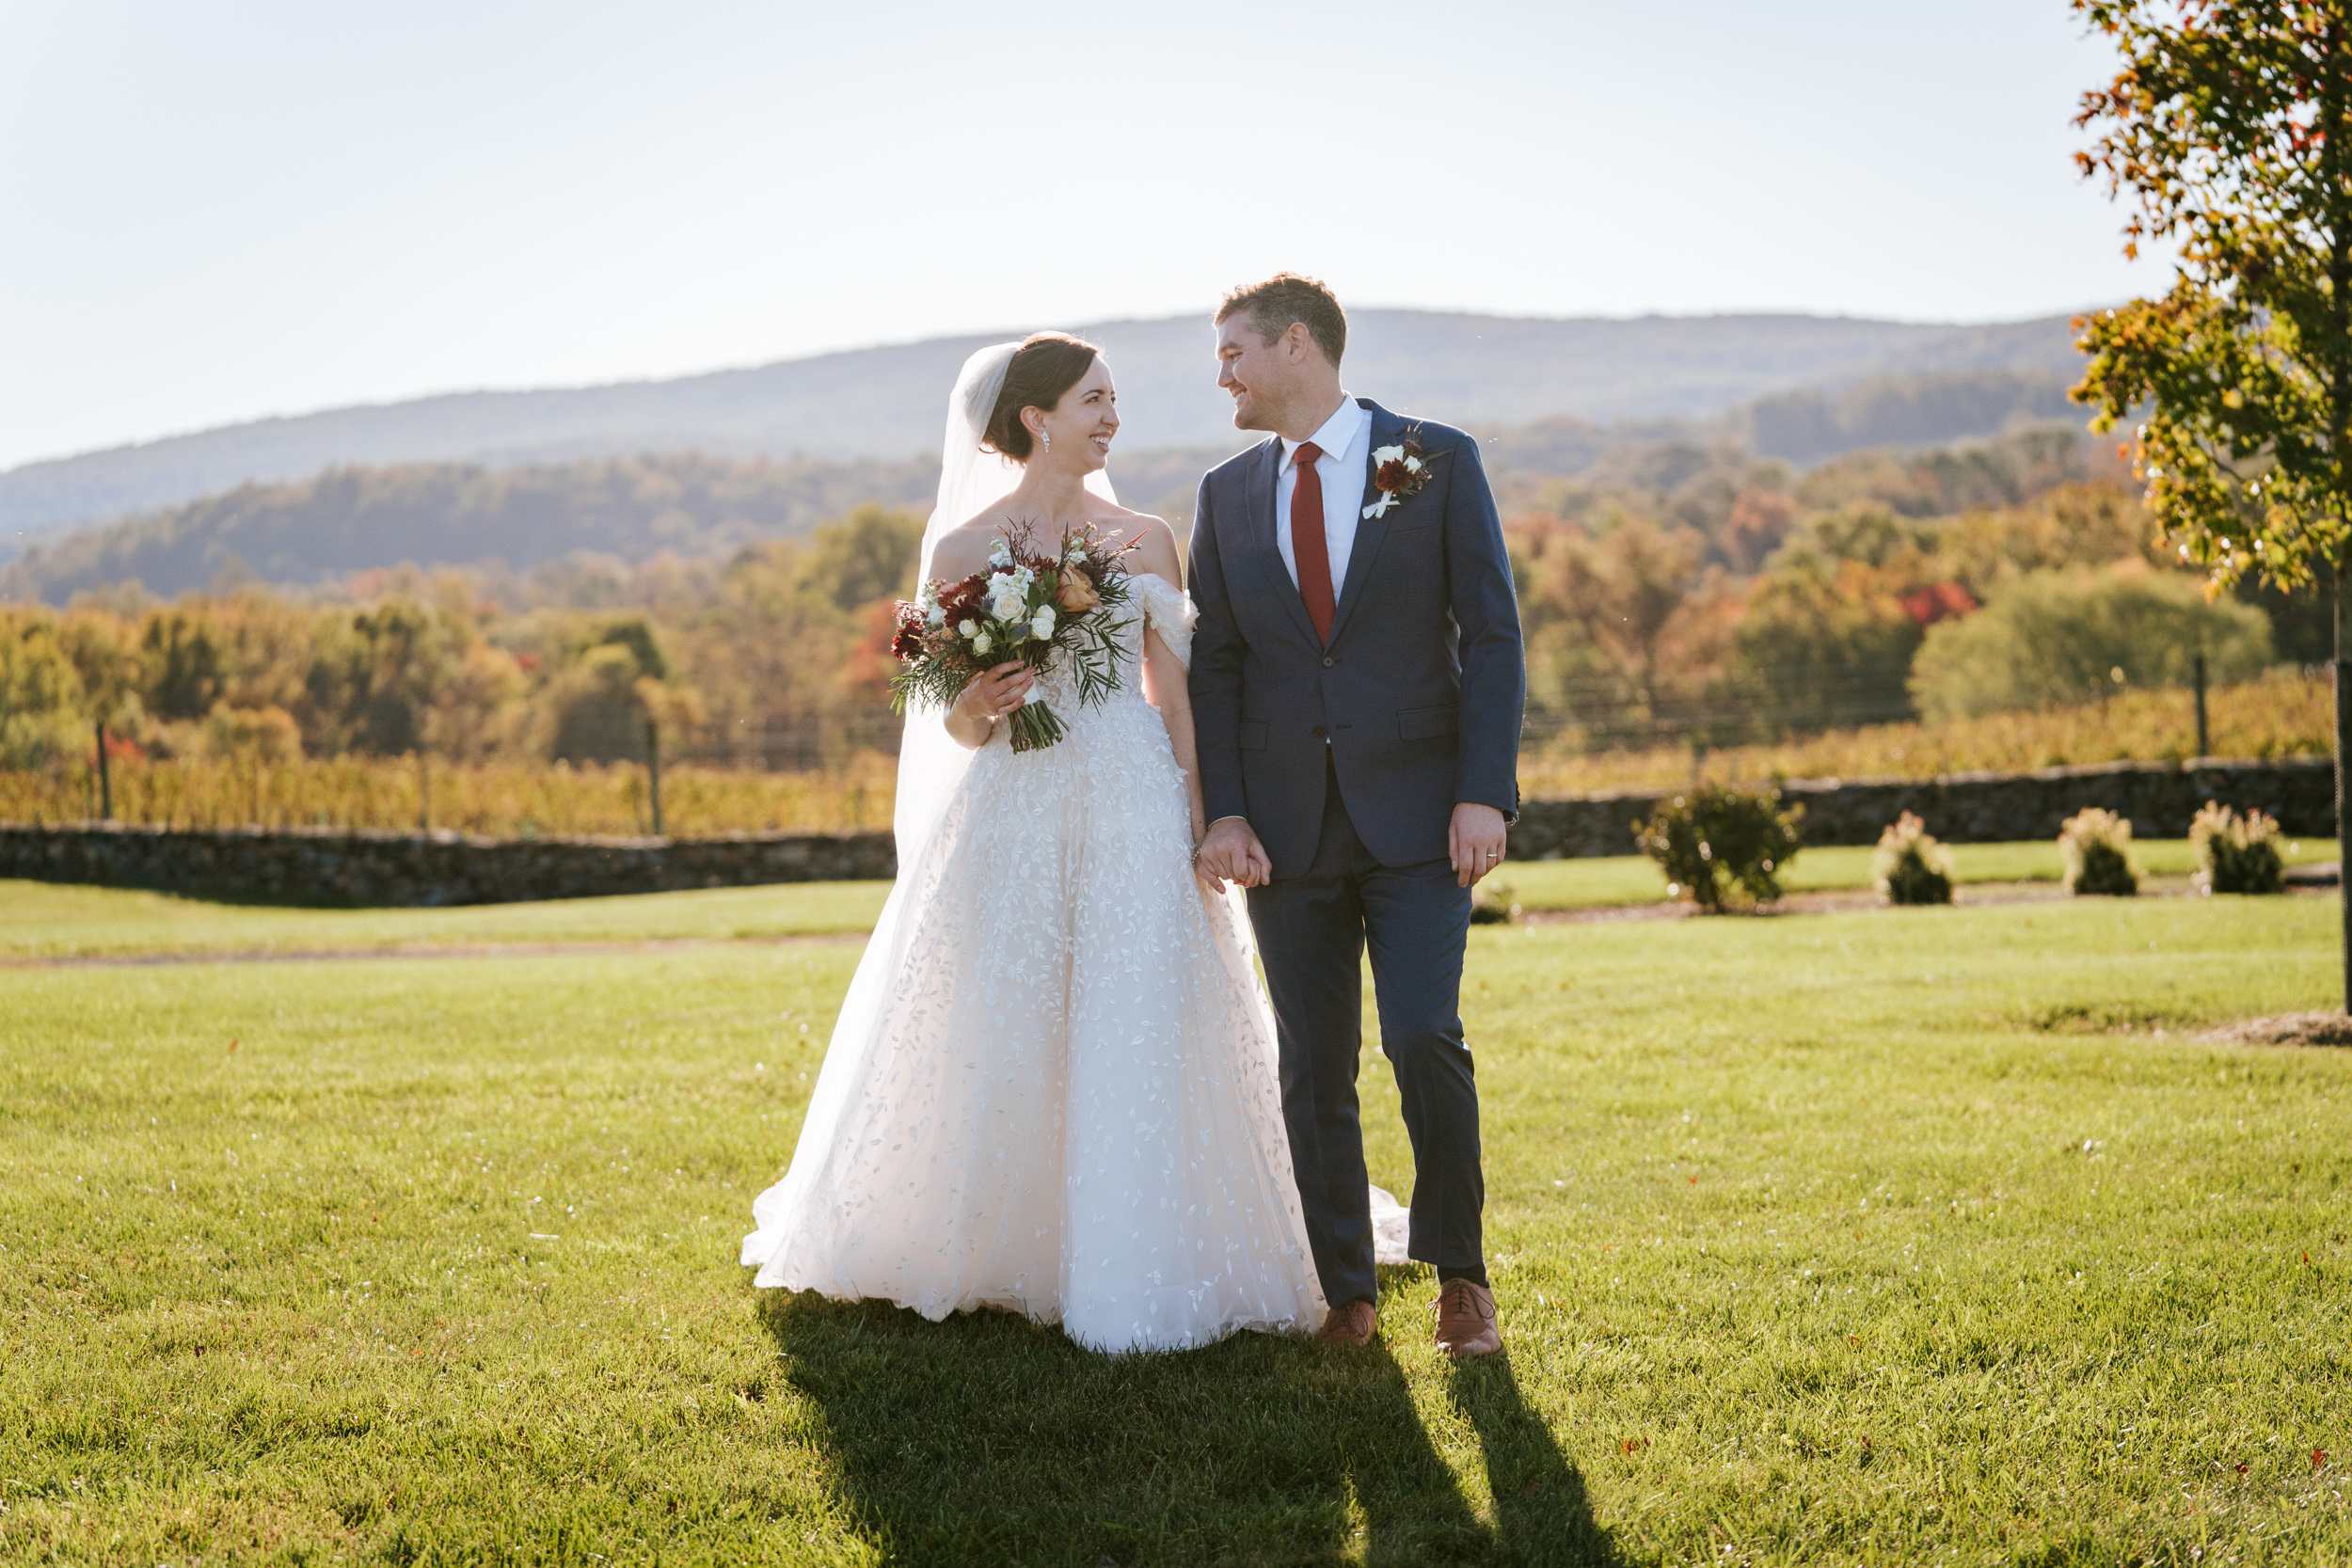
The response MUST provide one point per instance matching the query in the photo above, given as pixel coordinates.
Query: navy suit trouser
(1312, 932)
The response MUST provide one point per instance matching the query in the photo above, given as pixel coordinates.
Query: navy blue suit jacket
(1420, 692)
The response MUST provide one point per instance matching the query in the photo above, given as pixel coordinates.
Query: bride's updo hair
(1046, 365)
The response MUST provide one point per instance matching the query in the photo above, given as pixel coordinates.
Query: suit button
(1329, 661)
(1321, 732)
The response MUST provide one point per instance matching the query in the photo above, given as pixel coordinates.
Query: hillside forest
(689, 499)
(1675, 594)
(1803, 387)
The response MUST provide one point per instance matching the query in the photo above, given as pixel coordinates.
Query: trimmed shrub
(1491, 904)
(2237, 854)
(1722, 845)
(2098, 849)
(1910, 868)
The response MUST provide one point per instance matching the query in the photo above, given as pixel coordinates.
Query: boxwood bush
(2237, 854)
(1493, 903)
(1910, 868)
(1722, 845)
(2098, 849)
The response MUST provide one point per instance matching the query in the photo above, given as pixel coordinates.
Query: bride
(1051, 1088)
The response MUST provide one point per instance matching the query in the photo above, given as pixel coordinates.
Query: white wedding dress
(1052, 1088)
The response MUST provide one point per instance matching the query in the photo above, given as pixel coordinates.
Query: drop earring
(1046, 436)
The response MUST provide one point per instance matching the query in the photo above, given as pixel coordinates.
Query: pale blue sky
(225, 209)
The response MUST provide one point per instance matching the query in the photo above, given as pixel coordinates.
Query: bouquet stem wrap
(1033, 726)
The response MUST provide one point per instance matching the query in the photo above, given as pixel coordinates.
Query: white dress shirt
(1345, 443)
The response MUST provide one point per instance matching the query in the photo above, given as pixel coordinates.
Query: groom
(1356, 687)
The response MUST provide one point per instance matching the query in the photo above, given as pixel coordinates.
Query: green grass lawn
(45, 920)
(42, 920)
(1889, 1236)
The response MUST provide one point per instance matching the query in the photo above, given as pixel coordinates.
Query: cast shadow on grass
(1541, 1512)
(989, 1439)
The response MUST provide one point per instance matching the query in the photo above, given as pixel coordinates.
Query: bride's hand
(996, 693)
(987, 697)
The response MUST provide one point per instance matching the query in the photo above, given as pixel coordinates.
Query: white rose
(1412, 465)
(1009, 607)
(938, 617)
(1386, 454)
(982, 644)
(967, 629)
(1042, 623)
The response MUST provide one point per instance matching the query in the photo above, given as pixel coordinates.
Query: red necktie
(1309, 549)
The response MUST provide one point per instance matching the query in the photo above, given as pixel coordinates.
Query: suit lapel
(1386, 430)
(1262, 526)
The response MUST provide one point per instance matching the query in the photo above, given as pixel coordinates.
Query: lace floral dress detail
(1053, 1087)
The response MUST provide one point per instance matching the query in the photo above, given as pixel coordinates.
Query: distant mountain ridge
(317, 530)
(885, 402)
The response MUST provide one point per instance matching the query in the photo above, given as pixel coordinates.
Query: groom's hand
(1232, 853)
(1475, 839)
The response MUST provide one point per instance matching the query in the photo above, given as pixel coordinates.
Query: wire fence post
(2204, 746)
(653, 771)
(106, 778)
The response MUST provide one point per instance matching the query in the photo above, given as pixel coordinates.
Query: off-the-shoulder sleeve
(1169, 610)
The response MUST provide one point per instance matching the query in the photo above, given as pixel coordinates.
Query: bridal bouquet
(1024, 607)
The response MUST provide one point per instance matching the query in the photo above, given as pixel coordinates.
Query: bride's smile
(1075, 435)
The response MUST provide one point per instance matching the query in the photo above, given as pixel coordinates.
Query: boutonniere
(1398, 472)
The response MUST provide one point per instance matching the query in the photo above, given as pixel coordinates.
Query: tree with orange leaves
(2226, 128)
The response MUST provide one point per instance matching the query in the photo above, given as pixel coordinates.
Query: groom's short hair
(1286, 297)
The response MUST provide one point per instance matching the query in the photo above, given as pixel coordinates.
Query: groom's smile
(1276, 382)
(1237, 345)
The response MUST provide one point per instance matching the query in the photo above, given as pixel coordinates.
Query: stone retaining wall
(317, 866)
(313, 866)
(1971, 808)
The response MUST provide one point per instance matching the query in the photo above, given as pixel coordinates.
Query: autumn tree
(596, 709)
(1625, 587)
(2057, 637)
(867, 554)
(1655, 625)
(105, 653)
(1824, 643)
(182, 656)
(2226, 130)
(40, 692)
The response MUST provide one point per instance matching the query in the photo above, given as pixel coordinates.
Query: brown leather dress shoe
(1350, 1325)
(1466, 1320)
